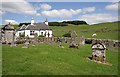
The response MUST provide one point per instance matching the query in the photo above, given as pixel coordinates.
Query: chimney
(46, 21)
(32, 21)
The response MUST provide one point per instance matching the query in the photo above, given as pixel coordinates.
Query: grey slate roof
(37, 26)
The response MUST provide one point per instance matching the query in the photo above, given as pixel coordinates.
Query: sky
(91, 12)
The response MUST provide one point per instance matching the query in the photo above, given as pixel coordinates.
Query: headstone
(60, 45)
(26, 45)
(73, 35)
(82, 40)
(98, 52)
(73, 45)
(59, 40)
(13, 44)
(111, 45)
(35, 42)
(94, 41)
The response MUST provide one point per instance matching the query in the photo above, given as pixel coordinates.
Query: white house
(30, 30)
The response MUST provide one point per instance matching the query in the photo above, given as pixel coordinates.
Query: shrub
(41, 36)
(87, 41)
(67, 34)
(22, 34)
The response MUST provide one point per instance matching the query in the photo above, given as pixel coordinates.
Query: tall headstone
(111, 45)
(98, 52)
(73, 35)
(82, 40)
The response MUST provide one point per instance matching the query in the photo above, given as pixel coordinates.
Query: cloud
(113, 6)
(10, 21)
(21, 6)
(89, 9)
(38, 14)
(98, 18)
(2, 12)
(45, 6)
(65, 13)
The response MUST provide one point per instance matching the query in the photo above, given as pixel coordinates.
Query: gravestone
(94, 41)
(60, 45)
(73, 45)
(13, 44)
(35, 42)
(26, 45)
(111, 45)
(98, 52)
(59, 40)
(73, 35)
(82, 40)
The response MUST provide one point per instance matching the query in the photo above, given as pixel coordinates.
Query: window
(32, 33)
(41, 33)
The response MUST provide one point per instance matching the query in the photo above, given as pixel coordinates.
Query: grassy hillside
(104, 31)
(51, 60)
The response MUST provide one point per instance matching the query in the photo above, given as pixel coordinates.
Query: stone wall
(110, 44)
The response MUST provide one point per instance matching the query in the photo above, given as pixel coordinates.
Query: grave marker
(82, 40)
(26, 45)
(98, 52)
(73, 35)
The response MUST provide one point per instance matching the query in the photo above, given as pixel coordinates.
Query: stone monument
(98, 52)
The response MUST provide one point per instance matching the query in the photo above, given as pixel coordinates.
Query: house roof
(36, 26)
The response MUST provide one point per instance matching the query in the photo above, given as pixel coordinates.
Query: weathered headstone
(60, 45)
(82, 40)
(73, 35)
(35, 42)
(59, 40)
(13, 44)
(98, 52)
(26, 45)
(111, 45)
(94, 41)
(73, 45)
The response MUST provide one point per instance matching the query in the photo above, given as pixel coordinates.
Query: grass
(51, 60)
(0, 60)
(59, 31)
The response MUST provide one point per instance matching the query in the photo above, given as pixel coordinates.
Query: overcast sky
(25, 10)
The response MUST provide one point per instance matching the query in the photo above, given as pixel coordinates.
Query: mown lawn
(48, 59)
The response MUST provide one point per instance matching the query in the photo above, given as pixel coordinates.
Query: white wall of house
(27, 33)
(42, 31)
(48, 31)
(18, 32)
(37, 31)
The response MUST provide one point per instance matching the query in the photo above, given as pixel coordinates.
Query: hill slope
(107, 30)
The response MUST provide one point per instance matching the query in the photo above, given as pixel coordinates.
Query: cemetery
(58, 55)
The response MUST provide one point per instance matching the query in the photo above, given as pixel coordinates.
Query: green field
(113, 34)
(48, 59)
